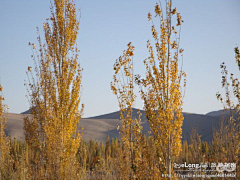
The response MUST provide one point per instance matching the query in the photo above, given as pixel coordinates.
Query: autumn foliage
(161, 88)
(54, 147)
(162, 96)
(54, 94)
(5, 159)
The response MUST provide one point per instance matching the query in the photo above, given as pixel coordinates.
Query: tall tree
(6, 170)
(123, 87)
(161, 89)
(54, 88)
(226, 140)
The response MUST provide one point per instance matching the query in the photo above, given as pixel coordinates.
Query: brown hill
(99, 127)
(204, 123)
(14, 126)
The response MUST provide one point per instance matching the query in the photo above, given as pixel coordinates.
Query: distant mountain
(27, 112)
(217, 113)
(14, 126)
(226, 113)
(204, 123)
(115, 115)
(99, 127)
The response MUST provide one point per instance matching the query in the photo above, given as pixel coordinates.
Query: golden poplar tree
(54, 88)
(226, 141)
(131, 130)
(161, 89)
(6, 171)
(3, 141)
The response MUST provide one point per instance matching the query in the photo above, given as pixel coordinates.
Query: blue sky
(209, 34)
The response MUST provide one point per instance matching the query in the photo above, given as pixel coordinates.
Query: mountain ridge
(99, 127)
